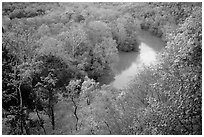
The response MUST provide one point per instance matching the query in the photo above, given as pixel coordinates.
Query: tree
(100, 114)
(17, 82)
(72, 92)
(43, 30)
(175, 105)
(48, 95)
(97, 30)
(126, 33)
(73, 40)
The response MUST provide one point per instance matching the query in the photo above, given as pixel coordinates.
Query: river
(131, 62)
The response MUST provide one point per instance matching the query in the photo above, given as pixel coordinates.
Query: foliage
(97, 116)
(25, 10)
(55, 52)
(47, 95)
(163, 99)
(124, 31)
(174, 99)
(18, 98)
(157, 15)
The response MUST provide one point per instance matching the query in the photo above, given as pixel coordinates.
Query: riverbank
(130, 63)
(52, 62)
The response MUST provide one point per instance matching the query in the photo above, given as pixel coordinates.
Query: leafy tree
(19, 65)
(55, 52)
(43, 30)
(96, 30)
(48, 96)
(73, 40)
(175, 105)
(100, 115)
(72, 92)
(17, 92)
(125, 33)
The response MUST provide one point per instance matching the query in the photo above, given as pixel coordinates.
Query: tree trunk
(109, 129)
(21, 109)
(20, 99)
(26, 127)
(75, 113)
(53, 117)
(22, 115)
(51, 110)
(40, 120)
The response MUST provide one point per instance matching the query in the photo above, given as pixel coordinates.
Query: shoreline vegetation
(53, 55)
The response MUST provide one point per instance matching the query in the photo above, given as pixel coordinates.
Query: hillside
(54, 56)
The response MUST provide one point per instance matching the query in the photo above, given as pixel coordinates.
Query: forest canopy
(54, 54)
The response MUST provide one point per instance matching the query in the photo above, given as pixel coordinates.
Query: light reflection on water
(130, 63)
(146, 57)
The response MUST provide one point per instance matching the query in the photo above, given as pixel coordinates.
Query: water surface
(131, 62)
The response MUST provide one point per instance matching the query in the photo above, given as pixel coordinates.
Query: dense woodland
(53, 55)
